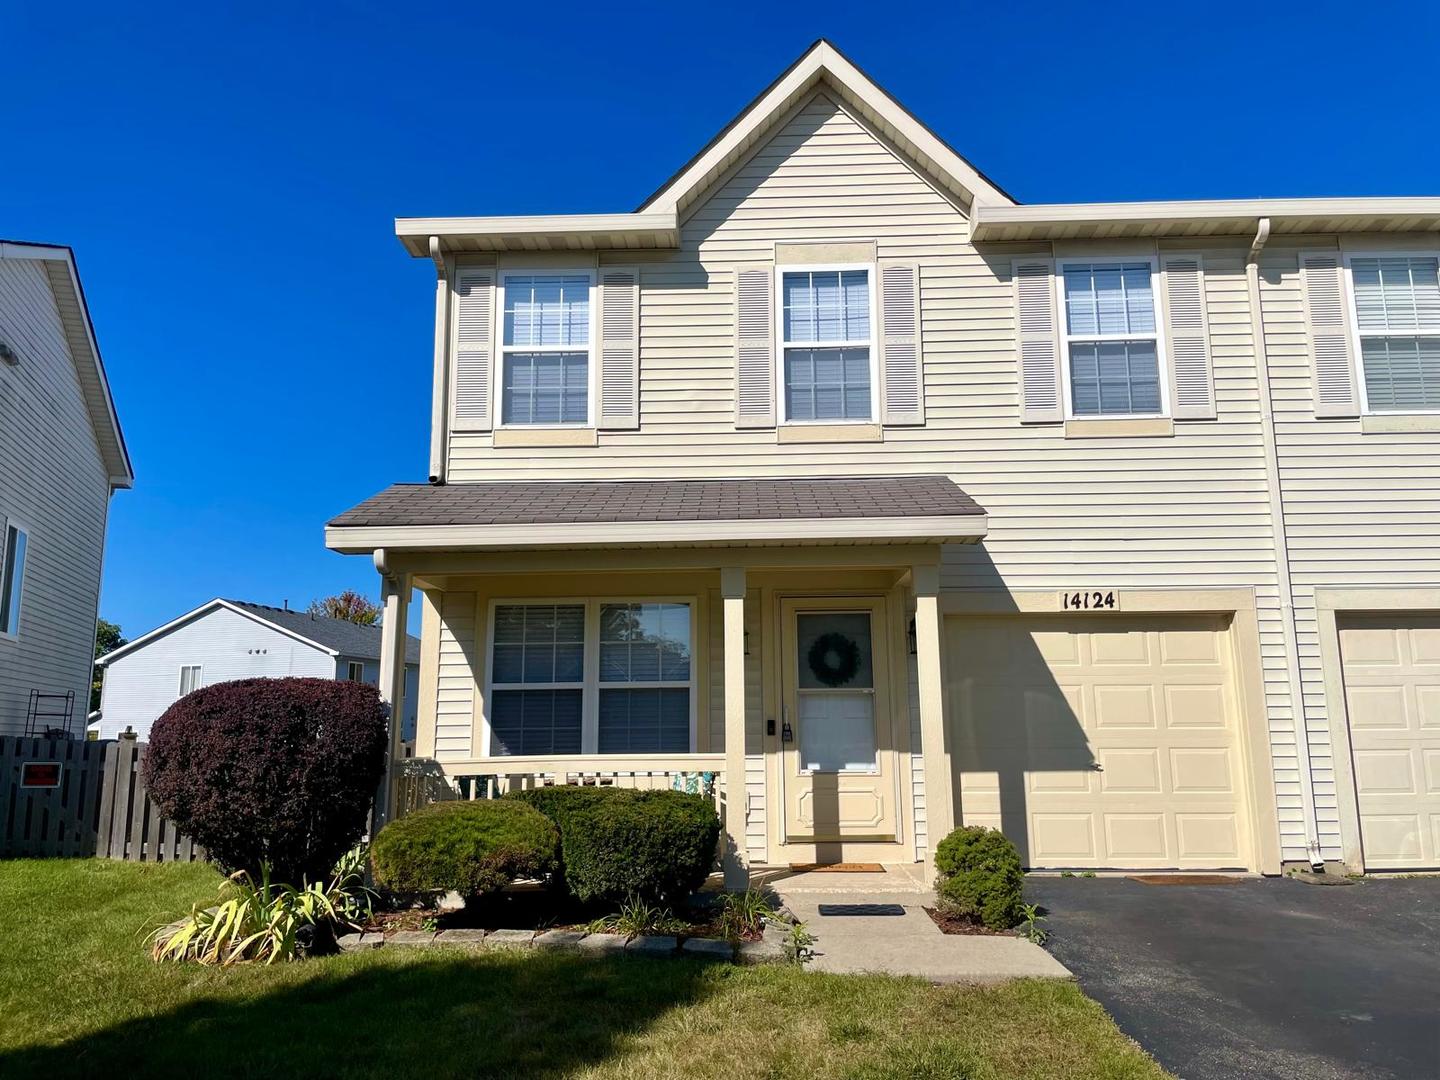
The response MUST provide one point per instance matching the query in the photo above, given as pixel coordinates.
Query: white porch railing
(426, 780)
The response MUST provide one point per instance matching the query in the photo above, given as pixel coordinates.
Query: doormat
(861, 909)
(1186, 879)
(837, 868)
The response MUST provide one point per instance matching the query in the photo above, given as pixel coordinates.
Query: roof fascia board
(204, 609)
(415, 233)
(990, 218)
(958, 527)
(121, 473)
(823, 61)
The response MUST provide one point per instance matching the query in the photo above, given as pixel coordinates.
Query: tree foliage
(108, 638)
(348, 605)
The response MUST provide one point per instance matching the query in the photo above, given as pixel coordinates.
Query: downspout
(442, 364)
(1282, 547)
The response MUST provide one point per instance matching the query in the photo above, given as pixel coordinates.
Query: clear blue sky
(228, 179)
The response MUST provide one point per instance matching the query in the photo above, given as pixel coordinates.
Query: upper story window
(1397, 318)
(545, 349)
(1112, 339)
(587, 676)
(12, 579)
(827, 347)
(189, 679)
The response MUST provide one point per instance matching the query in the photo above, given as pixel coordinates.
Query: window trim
(1352, 324)
(590, 684)
(501, 350)
(1162, 353)
(199, 670)
(781, 269)
(6, 524)
(350, 666)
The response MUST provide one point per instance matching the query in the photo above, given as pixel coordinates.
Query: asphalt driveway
(1265, 978)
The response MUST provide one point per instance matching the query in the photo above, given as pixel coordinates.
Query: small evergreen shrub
(472, 847)
(979, 877)
(270, 771)
(618, 845)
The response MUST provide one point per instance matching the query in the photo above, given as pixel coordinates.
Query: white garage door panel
(1100, 742)
(1391, 669)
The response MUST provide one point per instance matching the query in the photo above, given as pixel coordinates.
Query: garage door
(1392, 696)
(1108, 741)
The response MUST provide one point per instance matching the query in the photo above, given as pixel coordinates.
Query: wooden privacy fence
(69, 797)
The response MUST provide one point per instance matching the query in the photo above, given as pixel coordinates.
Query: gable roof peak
(824, 62)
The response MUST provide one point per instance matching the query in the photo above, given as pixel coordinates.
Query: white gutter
(439, 389)
(1282, 548)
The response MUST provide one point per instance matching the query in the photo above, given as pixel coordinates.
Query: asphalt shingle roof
(567, 502)
(346, 638)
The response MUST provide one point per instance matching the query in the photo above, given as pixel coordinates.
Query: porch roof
(636, 513)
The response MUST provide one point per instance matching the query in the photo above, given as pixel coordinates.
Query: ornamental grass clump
(270, 776)
(473, 848)
(979, 877)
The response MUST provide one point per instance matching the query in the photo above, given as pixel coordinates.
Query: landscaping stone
(359, 942)
(411, 938)
(652, 945)
(509, 939)
(774, 934)
(559, 939)
(601, 944)
(713, 948)
(759, 952)
(454, 938)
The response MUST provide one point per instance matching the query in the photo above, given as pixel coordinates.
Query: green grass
(79, 996)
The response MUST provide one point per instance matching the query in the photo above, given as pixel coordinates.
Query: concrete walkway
(905, 944)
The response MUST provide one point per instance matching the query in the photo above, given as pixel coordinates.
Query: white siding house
(226, 640)
(62, 455)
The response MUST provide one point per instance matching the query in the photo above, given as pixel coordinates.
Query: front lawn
(79, 996)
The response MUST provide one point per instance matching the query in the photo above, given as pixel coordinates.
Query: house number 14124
(1090, 600)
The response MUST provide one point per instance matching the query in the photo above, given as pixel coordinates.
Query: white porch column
(732, 589)
(930, 664)
(395, 600)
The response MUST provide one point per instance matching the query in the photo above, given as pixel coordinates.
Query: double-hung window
(1113, 352)
(189, 679)
(1397, 318)
(827, 351)
(545, 349)
(591, 676)
(12, 579)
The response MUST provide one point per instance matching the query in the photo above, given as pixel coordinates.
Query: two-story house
(834, 472)
(62, 456)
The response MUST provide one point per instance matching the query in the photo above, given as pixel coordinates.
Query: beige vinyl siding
(1186, 511)
(53, 483)
(461, 664)
(1362, 510)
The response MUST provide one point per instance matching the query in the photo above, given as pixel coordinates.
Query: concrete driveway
(1265, 978)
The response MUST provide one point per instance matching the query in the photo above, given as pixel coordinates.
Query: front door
(836, 737)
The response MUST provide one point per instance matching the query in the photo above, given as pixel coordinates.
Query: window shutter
(619, 347)
(1192, 382)
(474, 346)
(902, 389)
(1332, 366)
(1037, 341)
(754, 348)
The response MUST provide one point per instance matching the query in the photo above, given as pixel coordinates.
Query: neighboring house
(62, 456)
(707, 483)
(230, 639)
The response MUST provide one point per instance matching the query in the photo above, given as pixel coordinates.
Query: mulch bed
(953, 924)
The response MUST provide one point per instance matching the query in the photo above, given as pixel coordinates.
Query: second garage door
(1392, 695)
(1103, 741)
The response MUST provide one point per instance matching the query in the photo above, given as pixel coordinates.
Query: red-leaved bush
(270, 770)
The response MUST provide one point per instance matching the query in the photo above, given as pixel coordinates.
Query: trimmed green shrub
(979, 877)
(616, 845)
(472, 847)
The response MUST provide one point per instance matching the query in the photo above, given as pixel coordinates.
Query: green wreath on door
(834, 659)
